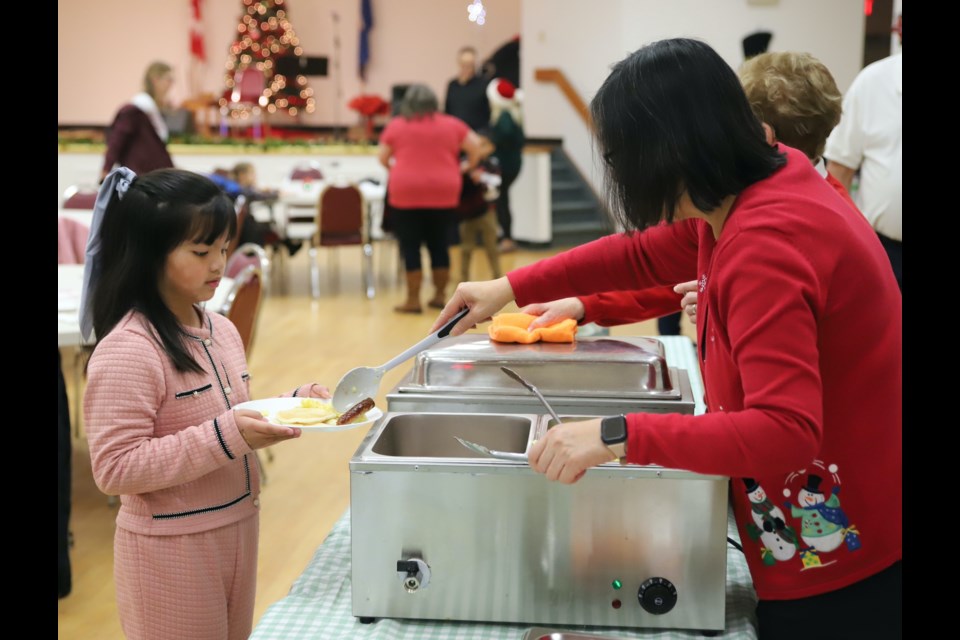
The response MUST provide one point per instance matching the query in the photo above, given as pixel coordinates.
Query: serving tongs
(516, 376)
(506, 455)
(484, 451)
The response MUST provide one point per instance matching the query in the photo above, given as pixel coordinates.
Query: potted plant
(369, 106)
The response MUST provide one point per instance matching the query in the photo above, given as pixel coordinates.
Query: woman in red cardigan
(799, 325)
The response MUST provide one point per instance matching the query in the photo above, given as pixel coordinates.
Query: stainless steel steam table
(319, 603)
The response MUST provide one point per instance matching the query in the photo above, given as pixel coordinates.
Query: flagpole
(338, 80)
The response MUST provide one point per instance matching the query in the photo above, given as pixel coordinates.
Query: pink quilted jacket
(166, 441)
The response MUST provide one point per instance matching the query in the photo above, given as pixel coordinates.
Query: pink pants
(197, 586)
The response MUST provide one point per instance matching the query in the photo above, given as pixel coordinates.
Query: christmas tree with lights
(264, 35)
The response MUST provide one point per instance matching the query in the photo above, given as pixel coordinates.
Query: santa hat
(750, 484)
(501, 93)
(813, 484)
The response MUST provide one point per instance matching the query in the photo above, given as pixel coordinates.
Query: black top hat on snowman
(813, 484)
(750, 485)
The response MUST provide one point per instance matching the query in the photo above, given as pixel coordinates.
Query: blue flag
(366, 17)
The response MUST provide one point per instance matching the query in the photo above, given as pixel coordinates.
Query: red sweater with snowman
(800, 346)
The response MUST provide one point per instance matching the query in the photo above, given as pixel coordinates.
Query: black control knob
(657, 596)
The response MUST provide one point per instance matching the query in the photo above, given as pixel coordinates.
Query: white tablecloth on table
(319, 603)
(69, 287)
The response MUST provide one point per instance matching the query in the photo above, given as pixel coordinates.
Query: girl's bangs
(212, 220)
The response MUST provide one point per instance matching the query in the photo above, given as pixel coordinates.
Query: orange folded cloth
(512, 327)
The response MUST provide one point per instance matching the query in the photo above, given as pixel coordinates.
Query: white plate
(270, 407)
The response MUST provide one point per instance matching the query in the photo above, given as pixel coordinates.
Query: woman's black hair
(670, 117)
(159, 211)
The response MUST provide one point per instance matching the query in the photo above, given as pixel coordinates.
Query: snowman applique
(778, 539)
(823, 523)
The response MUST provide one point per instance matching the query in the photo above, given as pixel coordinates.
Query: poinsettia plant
(369, 106)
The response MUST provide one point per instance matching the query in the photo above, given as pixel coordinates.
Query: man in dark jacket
(466, 94)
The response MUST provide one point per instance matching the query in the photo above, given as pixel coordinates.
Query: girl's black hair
(670, 117)
(159, 211)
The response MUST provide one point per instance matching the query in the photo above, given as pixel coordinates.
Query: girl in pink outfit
(163, 379)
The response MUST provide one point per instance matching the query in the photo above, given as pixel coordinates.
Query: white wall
(582, 40)
(585, 38)
(105, 45)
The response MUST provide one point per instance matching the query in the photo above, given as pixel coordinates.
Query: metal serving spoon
(364, 382)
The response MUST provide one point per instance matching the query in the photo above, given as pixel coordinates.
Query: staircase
(578, 216)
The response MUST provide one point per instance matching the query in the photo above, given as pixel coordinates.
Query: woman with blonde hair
(138, 136)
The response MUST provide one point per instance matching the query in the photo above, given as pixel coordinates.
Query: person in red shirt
(421, 149)
(796, 98)
(799, 339)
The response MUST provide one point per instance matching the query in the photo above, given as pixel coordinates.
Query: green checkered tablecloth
(319, 604)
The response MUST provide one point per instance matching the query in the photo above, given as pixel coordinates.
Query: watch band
(619, 450)
(613, 433)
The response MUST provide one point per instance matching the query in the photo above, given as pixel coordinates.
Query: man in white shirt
(869, 138)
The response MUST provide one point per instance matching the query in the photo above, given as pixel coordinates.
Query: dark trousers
(894, 249)
(63, 485)
(669, 325)
(504, 217)
(414, 227)
(871, 608)
(255, 232)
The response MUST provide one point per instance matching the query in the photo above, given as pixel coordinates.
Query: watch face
(613, 429)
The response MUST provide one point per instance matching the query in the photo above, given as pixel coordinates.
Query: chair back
(243, 212)
(71, 241)
(340, 216)
(246, 255)
(242, 306)
(80, 197)
(306, 172)
(248, 86)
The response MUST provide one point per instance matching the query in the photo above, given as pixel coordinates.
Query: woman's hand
(689, 301)
(568, 450)
(483, 298)
(319, 391)
(258, 432)
(553, 312)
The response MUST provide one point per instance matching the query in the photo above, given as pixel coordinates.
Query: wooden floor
(299, 340)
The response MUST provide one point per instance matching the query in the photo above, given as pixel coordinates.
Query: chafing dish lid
(627, 367)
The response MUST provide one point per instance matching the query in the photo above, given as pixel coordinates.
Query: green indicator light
(616, 584)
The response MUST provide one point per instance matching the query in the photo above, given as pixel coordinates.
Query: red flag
(197, 49)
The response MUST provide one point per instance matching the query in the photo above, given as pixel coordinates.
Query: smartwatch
(613, 433)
